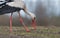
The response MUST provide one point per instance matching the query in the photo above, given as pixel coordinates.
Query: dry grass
(41, 32)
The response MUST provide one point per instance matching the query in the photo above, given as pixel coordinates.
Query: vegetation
(41, 32)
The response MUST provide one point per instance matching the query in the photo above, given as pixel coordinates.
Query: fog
(46, 11)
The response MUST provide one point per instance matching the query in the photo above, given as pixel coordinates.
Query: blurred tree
(40, 10)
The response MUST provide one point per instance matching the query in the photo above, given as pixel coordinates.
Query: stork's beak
(34, 23)
(33, 16)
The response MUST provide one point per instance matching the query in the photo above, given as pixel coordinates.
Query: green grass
(41, 31)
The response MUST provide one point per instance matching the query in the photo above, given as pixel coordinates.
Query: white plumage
(16, 3)
(20, 4)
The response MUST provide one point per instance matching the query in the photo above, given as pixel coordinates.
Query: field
(40, 32)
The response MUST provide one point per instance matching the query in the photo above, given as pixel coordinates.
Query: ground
(40, 32)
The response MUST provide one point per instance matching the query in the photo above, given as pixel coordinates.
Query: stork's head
(33, 15)
(33, 20)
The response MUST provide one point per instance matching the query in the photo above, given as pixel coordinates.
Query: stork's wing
(16, 3)
(3, 2)
(8, 9)
(9, 0)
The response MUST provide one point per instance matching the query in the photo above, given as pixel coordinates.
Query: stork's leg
(11, 22)
(33, 17)
(21, 21)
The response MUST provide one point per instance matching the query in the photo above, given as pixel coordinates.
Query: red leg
(11, 22)
(21, 20)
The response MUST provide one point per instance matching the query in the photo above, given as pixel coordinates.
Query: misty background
(47, 13)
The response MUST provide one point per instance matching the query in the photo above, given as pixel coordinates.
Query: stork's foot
(26, 28)
(28, 31)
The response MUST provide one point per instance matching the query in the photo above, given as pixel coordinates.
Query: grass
(41, 32)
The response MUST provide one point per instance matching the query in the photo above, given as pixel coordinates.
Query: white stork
(10, 6)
